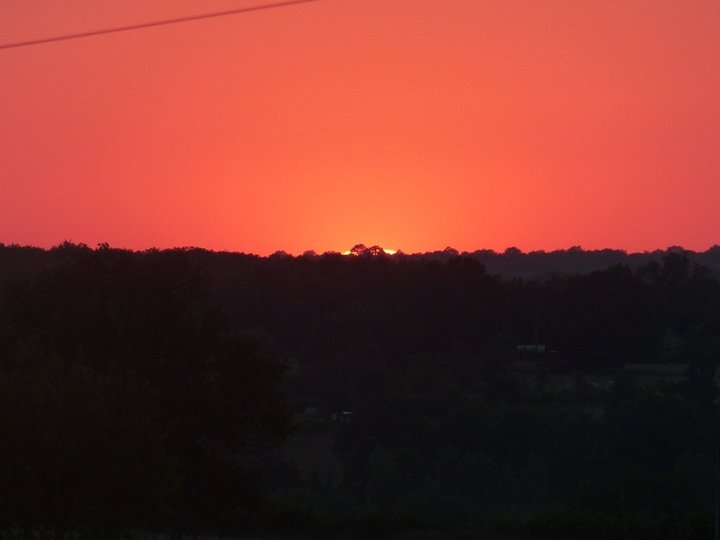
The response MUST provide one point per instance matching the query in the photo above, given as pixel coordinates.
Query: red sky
(413, 124)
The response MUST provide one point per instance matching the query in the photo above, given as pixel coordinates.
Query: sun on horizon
(360, 250)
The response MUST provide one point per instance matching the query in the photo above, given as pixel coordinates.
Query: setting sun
(360, 249)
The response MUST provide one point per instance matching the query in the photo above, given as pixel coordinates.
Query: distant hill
(513, 263)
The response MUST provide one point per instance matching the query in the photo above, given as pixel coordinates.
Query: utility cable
(152, 24)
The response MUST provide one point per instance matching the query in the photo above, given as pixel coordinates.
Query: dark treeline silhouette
(128, 401)
(324, 396)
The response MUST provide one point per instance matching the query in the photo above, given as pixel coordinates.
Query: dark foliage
(431, 398)
(74, 337)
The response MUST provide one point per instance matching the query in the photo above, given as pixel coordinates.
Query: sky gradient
(412, 124)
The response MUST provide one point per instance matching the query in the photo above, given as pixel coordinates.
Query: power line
(152, 24)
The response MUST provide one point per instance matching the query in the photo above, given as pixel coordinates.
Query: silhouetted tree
(81, 451)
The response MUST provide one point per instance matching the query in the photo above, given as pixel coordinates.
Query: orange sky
(413, 124)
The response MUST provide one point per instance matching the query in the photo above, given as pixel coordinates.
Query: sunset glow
(372, 251)
(418, 124)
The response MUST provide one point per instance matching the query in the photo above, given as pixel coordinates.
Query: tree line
(185, 392)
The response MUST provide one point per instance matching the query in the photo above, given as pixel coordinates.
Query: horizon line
(448, 250)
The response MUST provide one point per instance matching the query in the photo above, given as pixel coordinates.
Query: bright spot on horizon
(360, 249)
